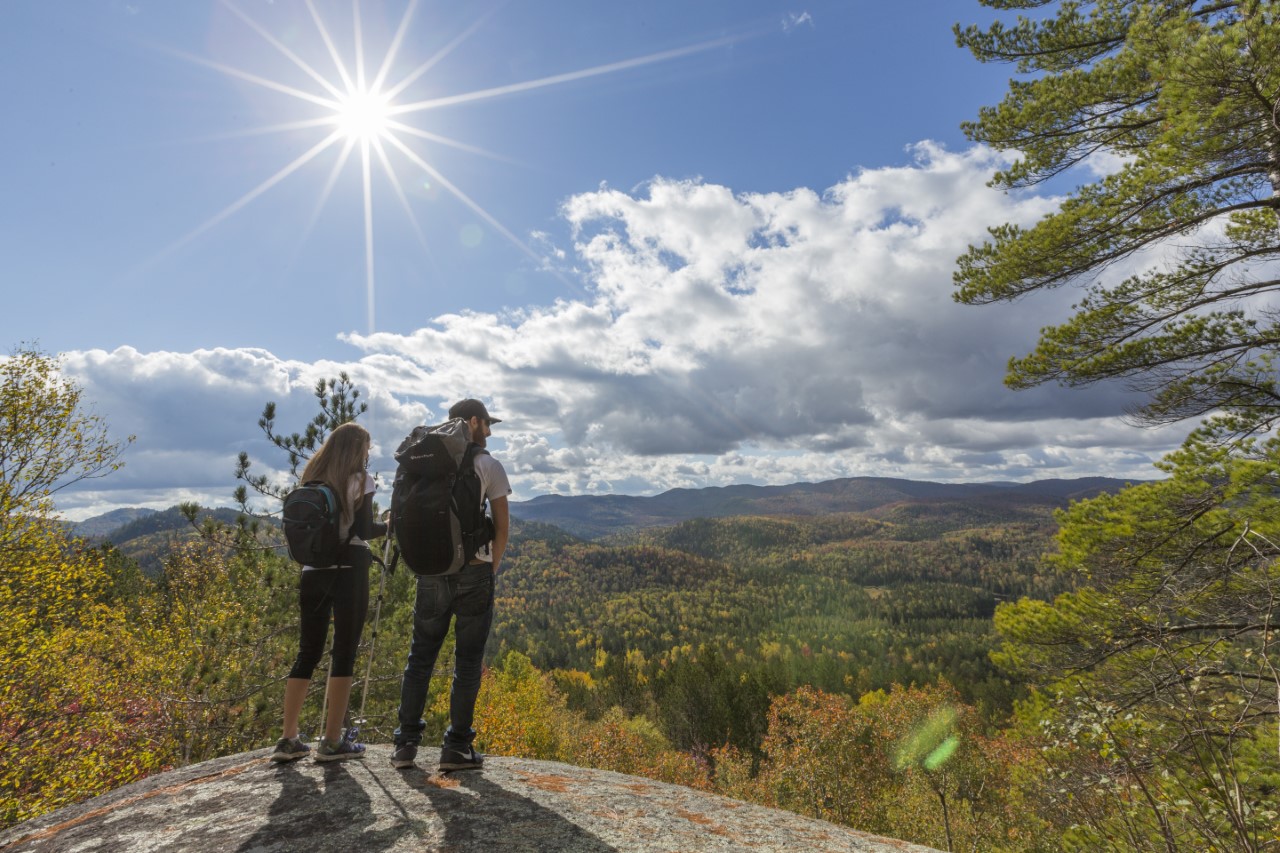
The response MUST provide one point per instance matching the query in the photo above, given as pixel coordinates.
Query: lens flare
(931, 743)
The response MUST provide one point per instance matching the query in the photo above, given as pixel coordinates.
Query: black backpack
(310, 518)
(437, 513)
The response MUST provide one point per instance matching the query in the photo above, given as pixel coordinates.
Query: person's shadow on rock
(480, 815)
(336, 808)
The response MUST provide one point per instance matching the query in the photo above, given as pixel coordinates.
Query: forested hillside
(751, 606)
(847, 602)
(762, 605)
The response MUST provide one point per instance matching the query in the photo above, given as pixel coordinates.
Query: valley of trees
(833, 665)
(966, 676)
(836, 665)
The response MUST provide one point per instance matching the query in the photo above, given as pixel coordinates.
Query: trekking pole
(324, 711)
(386, 564)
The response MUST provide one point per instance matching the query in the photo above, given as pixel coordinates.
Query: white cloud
(1105, 162)
(724, 337)
(796, 19)
(192, 413)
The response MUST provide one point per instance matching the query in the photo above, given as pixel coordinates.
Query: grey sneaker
(290, 749)
(403, 757)
(460, 759)
(340, 751)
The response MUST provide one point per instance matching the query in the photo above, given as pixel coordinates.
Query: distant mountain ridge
(122, 525)
(101, 525)
(146, 535)
(594, 516)
(167, 521)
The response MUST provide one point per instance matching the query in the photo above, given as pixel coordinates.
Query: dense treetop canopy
(1177, 246)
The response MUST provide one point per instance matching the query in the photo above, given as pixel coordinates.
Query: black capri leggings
(344, 593)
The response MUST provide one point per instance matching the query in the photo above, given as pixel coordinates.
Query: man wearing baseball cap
(466, 598)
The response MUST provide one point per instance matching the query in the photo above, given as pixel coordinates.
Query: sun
(363, 116)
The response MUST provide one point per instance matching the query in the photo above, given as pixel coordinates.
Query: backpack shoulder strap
(469, 456)
(477, 530)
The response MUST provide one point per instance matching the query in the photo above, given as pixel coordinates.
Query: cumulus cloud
(785, 320)
(724, 337)
(193, 413)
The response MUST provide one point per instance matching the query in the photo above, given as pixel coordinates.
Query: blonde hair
(341, 457)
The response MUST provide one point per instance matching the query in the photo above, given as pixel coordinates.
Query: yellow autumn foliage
(78, 712)
(77, 716)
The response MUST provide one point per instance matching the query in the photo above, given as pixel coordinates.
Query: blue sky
(672, 244)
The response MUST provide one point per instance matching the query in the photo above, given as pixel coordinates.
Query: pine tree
(1175, 248)
(1159, 674)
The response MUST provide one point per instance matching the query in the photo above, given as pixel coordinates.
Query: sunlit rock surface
(246, 803)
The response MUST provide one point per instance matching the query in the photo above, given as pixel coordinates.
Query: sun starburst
(363, 115)
(368, 116)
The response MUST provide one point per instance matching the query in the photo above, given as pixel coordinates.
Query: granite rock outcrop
(246, 804)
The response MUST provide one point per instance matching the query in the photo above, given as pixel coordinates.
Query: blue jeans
(467, 599)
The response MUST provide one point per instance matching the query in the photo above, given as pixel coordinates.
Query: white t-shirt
(493, 484)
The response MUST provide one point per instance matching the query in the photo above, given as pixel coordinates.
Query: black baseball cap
(469, 408)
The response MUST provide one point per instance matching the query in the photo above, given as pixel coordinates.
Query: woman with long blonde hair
(340, 592)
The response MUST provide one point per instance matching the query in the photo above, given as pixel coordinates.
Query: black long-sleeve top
(363, 524)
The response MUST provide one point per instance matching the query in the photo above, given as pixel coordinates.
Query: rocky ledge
(247, 803)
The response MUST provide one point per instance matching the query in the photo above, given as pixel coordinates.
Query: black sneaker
(403, 757)
(290, 749)
(460, 759)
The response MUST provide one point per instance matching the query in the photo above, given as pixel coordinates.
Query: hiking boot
(340, 751)
(290, 749)
(403, 757)
(465, 758)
